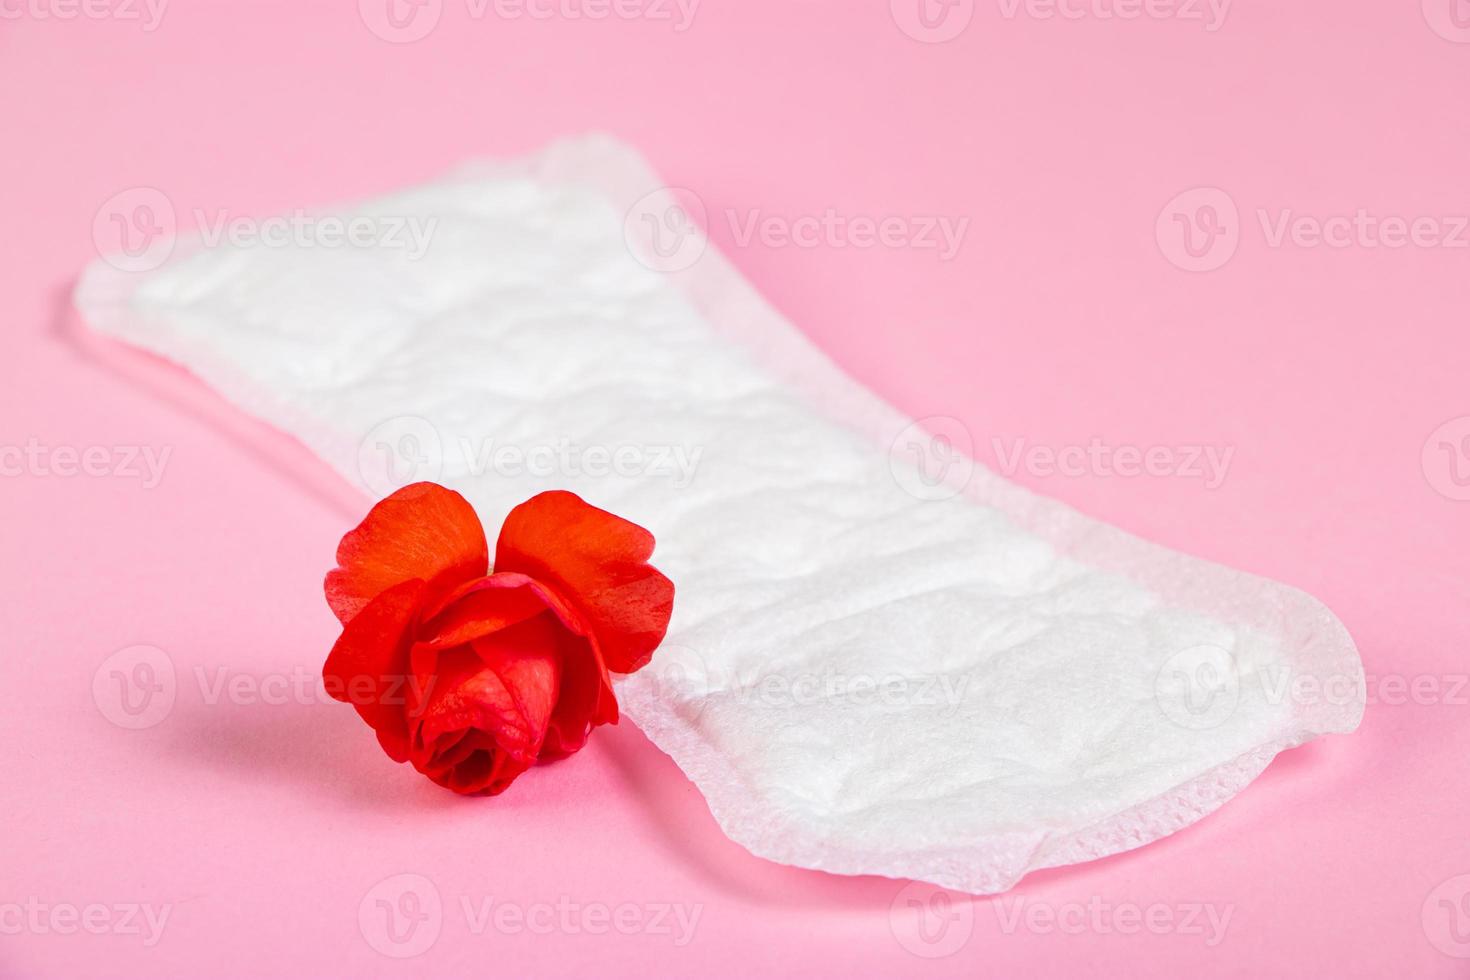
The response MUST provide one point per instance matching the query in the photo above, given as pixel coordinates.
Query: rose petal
(369, 664)
(598, 563)
(502, 599)
(423, 531)
(504, 685)
(481, 608)
(586, 700)
(473, 764)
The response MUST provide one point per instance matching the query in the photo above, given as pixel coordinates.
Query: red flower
(473, 675)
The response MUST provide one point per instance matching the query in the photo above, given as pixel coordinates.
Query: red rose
(473, 675)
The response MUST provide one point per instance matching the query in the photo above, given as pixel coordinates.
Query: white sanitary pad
(875, 666)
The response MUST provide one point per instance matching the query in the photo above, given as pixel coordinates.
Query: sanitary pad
(884, 659)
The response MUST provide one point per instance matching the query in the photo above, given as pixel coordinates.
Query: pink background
(264, 826)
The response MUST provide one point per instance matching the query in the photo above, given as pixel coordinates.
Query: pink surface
(1334, 366)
